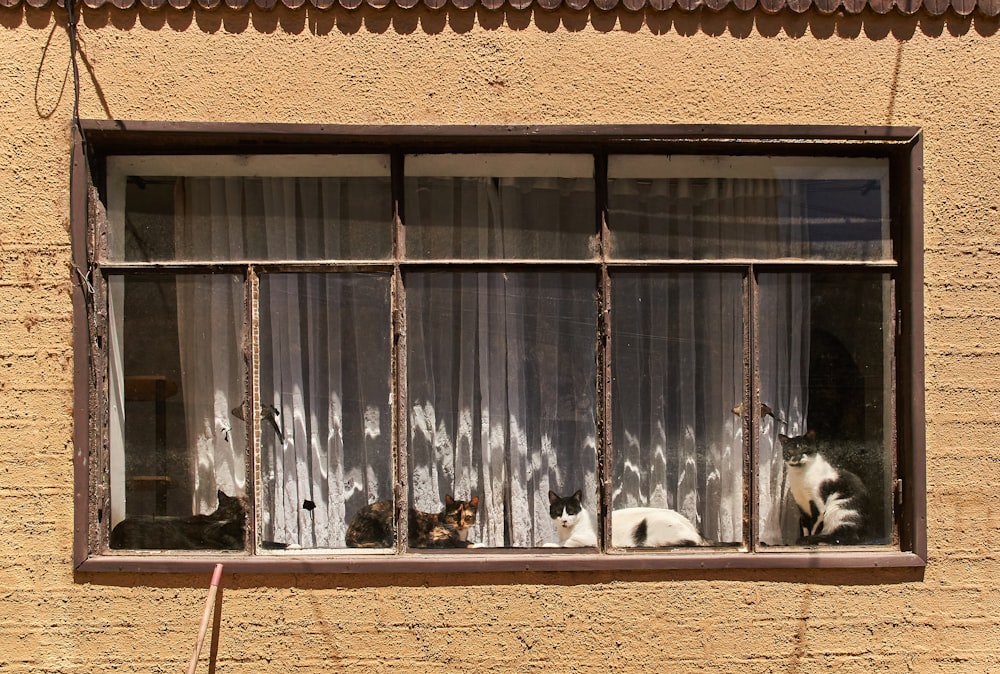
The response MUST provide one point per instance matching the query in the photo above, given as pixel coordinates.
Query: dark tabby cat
(833, 502)
(372, 525)
(224, 529)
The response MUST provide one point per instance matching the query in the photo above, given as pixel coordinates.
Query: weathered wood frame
(100, 138)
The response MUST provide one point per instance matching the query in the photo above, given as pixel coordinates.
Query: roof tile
(988, 8)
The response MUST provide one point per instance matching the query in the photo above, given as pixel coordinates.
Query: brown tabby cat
(372, 525)
(224, 529)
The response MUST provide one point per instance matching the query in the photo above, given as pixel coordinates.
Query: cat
(224, 529)
(372, 526)
(630, 527)
(832, 502)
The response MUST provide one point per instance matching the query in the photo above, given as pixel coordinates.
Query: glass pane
(326, 436)
(677, 373)
(501, 379)
(217, 215)
(825, 351)
(178, 435)
(748, 207)
(500, 206)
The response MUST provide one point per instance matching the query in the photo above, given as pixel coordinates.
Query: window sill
(477, 561)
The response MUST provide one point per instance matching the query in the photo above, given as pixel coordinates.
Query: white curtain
(324, 355)
(501, 364)
(677, 340)
(784, 310)
(210, 318)
(676, 376)
(502, 377)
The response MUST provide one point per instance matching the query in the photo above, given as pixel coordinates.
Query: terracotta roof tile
(988, 8)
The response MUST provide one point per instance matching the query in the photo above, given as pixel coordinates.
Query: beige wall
(403, 67)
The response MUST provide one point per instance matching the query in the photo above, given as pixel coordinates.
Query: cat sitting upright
(371, 527)
(223, 529)
(832, 502)
(630, 527)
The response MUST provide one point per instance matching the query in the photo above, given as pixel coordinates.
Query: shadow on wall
(308, 19)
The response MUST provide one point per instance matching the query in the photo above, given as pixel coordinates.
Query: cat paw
(550, 545)
(478, 545)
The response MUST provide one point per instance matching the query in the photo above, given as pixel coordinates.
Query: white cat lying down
(630, 527)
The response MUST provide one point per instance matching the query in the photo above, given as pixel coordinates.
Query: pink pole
(209, 603)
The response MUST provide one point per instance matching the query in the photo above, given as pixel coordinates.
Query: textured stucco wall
(387, 67)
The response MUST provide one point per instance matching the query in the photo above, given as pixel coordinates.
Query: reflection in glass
(501, 395)
(677, 367)
(326, 424)
(748, 208)
(825, 348)
(254, 218)
(499, 206)
(177, 433)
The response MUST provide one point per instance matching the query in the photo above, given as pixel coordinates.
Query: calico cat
(371, 527)
(832, 502)
(224, 529)
(630, 527)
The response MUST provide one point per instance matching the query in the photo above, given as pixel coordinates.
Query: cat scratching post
(209, 604)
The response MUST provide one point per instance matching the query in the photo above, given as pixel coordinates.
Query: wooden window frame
(94, 140)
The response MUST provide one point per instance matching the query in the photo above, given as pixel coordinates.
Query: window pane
(499, 206)
(326, 429)
(825, 353)
(178, 435)
(501, 385)
(748, 207)
(677, 372)
(264, 216)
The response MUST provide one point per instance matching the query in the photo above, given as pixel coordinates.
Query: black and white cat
(630, 527)
(832, 502)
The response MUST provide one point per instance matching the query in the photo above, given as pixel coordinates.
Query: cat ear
(553, 497)
(474, 502)
(221, 494)
(448, 500)
(811, 436)
(578, 495)
(782, 437)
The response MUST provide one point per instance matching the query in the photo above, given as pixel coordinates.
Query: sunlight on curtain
(677, 340)
(324, 379)
(502, 377)
(325, 392)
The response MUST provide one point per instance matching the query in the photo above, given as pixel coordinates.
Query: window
(712, 349)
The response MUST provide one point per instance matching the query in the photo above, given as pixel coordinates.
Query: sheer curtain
(324, 354)
(676, 376)
(501, 364)
(677, 340)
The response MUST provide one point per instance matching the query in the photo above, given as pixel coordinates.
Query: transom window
(604, 355)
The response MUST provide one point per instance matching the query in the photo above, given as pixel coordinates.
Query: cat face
(230, 507)
(565, 510)
(461, 514)
(798, 451)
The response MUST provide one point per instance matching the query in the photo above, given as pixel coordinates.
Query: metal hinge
(897, 491)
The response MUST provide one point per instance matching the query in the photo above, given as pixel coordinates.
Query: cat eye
(385, 350)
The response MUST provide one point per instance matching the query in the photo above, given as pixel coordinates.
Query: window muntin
(613, 444)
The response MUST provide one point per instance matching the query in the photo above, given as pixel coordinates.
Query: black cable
(71, 32)
(84, 278)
